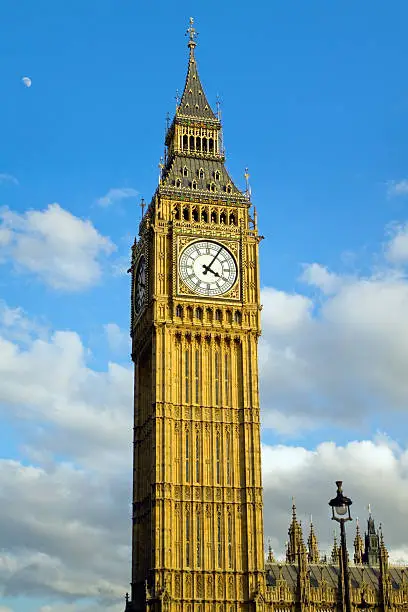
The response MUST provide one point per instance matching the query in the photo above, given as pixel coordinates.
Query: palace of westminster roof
(368, 568)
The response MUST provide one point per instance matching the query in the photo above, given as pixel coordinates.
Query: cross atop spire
(192, 34)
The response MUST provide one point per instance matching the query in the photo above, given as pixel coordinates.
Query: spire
(295, 536)
(358, 545)
(313, 553)
(385, 580)
(193, 102)
(335, 553)
(194, 153)
(371, 542)
(270, 558)
(383, 552)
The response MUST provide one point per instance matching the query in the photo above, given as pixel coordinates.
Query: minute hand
(206, 268)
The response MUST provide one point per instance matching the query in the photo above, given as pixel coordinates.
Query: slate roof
(330, 573)
(193, 101)
(223, 185)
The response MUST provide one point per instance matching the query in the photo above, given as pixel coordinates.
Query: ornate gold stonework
(197, 541)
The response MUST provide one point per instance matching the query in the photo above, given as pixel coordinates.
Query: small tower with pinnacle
(313, 548)
(270, 558)
(295, 537)
(372, 542)
(335, 553)
(358, 545)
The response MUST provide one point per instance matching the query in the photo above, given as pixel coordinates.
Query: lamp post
(340, 506)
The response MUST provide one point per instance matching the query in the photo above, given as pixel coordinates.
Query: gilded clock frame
(180, 289)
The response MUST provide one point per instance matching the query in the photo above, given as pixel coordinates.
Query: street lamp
(340, 506)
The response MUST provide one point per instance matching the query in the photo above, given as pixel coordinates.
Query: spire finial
(248, 194)
(192, 34)
(161, 168)
(369, 509)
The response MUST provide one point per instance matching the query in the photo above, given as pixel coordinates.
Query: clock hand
(206, 268)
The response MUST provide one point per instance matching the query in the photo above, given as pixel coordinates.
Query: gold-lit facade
(197, 541)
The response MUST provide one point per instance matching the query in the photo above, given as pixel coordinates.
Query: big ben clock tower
(197, 494)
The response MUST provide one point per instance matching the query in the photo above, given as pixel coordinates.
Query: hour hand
(209, 269)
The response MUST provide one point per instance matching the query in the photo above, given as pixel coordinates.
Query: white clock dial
(207, 268)
(140, 285)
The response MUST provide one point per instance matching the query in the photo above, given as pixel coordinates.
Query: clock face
(207, 268)
(140, 285)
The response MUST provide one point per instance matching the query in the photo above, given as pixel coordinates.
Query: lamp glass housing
(341, 510)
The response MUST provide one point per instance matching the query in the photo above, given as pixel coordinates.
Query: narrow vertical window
(197, 376)
(197, 458)
(226, 376)
(187, 456)
(187, 375)
(219, 540)
(217, 379)
(198, 536)
(229, 540)
(228, 456)
(218, 457)
(188, 528)
(180, 542)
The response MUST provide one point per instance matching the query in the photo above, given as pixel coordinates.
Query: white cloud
(8, 178)
(64, 251)
(87, 412)
(397, 188)
(118, 340)
(339, 358)
(65, 526)
(284, 312)
(17, 326)
(319, 276)
(117, 194)
(397, 247)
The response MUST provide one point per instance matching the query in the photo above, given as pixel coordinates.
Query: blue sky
(314, 102)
